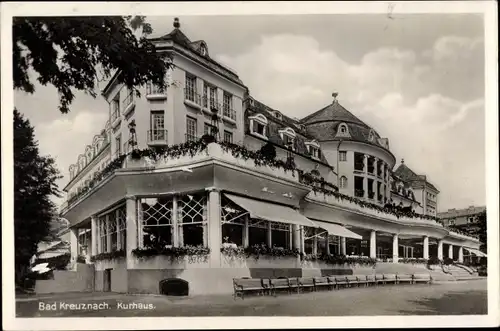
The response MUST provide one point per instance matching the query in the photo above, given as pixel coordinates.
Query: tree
(482, 231)
(68, 52)
(34, 183)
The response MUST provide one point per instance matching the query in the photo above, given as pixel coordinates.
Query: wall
(119, 278)
(81, 280)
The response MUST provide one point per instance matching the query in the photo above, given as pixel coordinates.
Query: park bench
(306, 282)
(352, 280)
(293, 284)
(404, 279)
(246, 285)
(279, 284)
(422, 278)
(390, 279)
(341, 281)
(320, 282)
(379, 279)
(370, 279)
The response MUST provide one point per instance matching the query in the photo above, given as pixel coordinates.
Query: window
(280, 235)
(103, 234)
(209, 129)
(278, 115)
(343, 129)
(191, 131)
(233, 223)
(122, 228)
(288, 137)
(258, 125)
(470, 220)
(213, 98)
(205, 94)
(228, 137)
(192, 220)
(227, 105)
(157, 125)
(118, 141)
(452, 222)
(315, 152)
(257, 232)
(153, 89)
(343, 182)
(115, 110)
(113, 230)
(84, 241)
(190, 87)
(157, 222)
(342, 156)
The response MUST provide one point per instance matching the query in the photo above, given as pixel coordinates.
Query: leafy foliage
(174, 252)
(482, 222)
(34, 183)
(66, 52)
(108, 256)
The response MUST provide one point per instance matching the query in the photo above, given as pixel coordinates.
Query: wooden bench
(390, 279)
(293, 284)
(404, 278)
(246, 285)
(370, 279)
(306, 282)
(279, 284)
(320, 282)
(379, 279)
(352, 280)
(422, 278)
(341, 281)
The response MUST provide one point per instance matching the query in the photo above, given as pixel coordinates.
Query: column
(426, 247)
(214, 226)
(450, 251)
(74, 246)
(365, 177)
(327, 243)
(245, 233)
(343, 246)
(315, 242)
(461, 254)
(375, 166)
(373, 244)
(108, 235)
(175, 221)
(132, 233)
(269, 235)
(93, 224)
(440, 250)
(395, 248)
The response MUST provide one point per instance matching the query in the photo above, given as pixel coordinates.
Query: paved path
(468, 297)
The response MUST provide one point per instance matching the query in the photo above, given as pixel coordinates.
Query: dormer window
(258, 125)
(203, 50)
(313, 149)
(278, 115)
(343, 130)
(288, 137)
(371, 135)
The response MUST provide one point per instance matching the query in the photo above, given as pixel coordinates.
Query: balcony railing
(157, 137)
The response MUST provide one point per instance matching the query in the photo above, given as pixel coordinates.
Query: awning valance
(338, 230)
(270, 212)
(476, 252)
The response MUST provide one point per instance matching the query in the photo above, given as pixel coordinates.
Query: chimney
(177, 24)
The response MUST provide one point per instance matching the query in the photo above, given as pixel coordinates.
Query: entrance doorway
(107, 280)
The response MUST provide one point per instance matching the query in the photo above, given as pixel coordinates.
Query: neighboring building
(424, 191)
(466, 220)
(328, 191)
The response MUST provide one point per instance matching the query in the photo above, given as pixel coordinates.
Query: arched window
(343, 130)
(343, 182)
(258, 124)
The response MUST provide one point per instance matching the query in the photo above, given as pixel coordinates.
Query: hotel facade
(149, 200)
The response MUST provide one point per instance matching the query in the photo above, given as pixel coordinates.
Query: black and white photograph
(266, 163)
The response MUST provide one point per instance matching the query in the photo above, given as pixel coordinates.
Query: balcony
(154, 92)
(157, 137)
(128, 104)
(192, 99)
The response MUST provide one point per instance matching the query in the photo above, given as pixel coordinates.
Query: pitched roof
(334, 111)
(406, 174)
(452, 213)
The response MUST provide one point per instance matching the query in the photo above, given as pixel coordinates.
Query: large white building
(162, 204)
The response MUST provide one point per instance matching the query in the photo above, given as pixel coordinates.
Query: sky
(417, 79)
